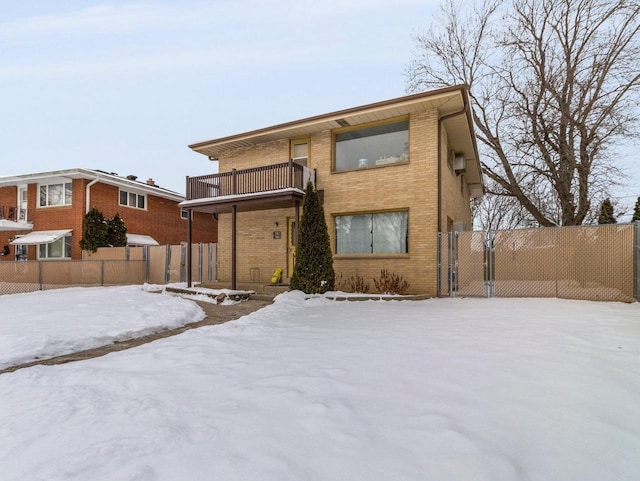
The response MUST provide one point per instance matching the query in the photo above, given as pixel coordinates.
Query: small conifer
(313, 272)
(94, 231)
(606, 213)
(636, 211)
(116, 232)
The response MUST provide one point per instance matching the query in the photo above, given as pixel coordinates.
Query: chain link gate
(582, 262)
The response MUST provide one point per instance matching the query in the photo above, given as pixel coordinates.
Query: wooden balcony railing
(249, 181)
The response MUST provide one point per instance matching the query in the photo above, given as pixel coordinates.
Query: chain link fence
(110, 267)
(583, 262)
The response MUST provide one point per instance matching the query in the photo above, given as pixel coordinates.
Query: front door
(291, 245)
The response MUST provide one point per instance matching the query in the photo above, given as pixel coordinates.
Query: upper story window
(374, 233)
(300, 151)
(371, 145)
(131, 199)
(55, 194)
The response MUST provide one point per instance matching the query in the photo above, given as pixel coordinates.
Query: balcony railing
(7, 212)
(268, 178)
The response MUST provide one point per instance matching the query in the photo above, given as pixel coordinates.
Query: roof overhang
(452, 104)
(40, 237)
(141, 240)
(89, 174)
(10, 225)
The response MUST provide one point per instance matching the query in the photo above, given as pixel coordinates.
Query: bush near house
(391, 283)
(94, 231)
(100, 232)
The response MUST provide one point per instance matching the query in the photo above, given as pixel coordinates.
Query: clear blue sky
(125, 86)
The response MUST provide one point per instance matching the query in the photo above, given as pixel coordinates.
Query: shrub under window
(372, 146)
(381, 233)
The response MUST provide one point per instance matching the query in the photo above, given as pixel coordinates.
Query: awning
(8, 225)
(40, 237)
(141, 240)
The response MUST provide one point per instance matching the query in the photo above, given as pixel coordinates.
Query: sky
(313, 389)
(126, 86)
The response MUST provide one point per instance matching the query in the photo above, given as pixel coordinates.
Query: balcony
(266, 187)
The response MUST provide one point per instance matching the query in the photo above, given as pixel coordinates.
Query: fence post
(200, 257)
(102, 272)
(183, 262)
(439, 266)
(453, 263)
(167, 265)
(636, 261)
(40, 275)
(147, 258)
(489, 284)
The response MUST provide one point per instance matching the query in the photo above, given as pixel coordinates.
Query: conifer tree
(313, 272)
(606, 213)
(116, 232)
(94, 231)
(636, 211)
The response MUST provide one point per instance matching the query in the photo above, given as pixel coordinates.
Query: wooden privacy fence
(583, 262)
(111, 266)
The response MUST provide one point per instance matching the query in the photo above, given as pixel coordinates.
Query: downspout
(465, 110)
(88, 194)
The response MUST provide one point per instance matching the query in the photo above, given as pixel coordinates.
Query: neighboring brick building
(49, 208)
(391, 175)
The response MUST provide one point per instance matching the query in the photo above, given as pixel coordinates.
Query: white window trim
(62, 182)
(47, 258)
(137, 194)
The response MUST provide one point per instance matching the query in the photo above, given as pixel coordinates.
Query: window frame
(67, 245)
(66, 194)
(129, 194)
(372, 252)
(184, 213)
(367, 125)
(299, 141)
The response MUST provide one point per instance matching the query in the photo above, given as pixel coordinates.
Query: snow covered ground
(46, 324)
(444, 389)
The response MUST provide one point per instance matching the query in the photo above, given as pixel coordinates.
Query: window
(59, 249)
(300, 152)
(132, 199)
(184, 214)
(372, 146)
(55, 194)
(381, 233)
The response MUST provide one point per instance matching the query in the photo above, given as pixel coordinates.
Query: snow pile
(445, 389)
(46, 324)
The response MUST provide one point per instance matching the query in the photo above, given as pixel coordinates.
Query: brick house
(47, 210)
(391, 175)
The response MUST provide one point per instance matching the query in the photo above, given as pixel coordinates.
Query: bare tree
(554, 86)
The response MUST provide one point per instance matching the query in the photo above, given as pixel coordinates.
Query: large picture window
(372, 146)
(131, 199)
(379, 233)
(55, 194)
(59, 249)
